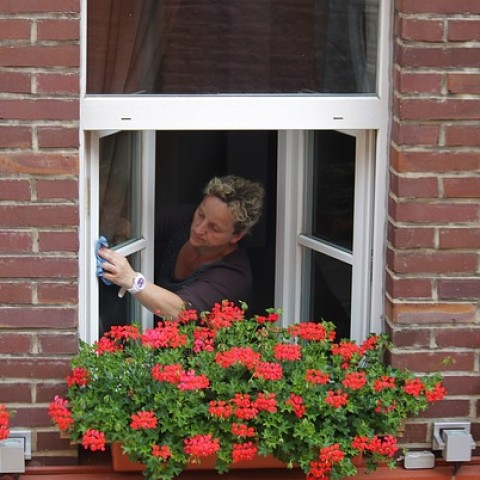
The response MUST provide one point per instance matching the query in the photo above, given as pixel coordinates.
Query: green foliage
(355, 405)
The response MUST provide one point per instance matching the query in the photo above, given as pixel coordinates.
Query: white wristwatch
(139, 284)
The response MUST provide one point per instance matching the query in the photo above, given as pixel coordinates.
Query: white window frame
(289, 114)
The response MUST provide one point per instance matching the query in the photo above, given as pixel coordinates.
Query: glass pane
(120, 196)
(114, 310)
(332, 189)
(232, 46)
(326, 291)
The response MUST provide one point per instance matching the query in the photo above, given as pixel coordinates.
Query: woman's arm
(157, 299)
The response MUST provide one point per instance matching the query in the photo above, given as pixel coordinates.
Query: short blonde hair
(243, 197)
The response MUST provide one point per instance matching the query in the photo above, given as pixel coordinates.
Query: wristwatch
(139, 283)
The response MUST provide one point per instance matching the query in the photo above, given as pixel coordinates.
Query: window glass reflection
(231, 46)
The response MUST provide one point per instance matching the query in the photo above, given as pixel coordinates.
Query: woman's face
(212, 225)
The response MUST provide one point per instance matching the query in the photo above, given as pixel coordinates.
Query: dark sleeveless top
(227, 279)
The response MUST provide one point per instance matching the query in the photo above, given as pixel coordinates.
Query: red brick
(59, 293)
(462, 187)
(421, 30)
(18, 190)
(34, 367)
(451, 109)
(459, 238)
(11, 343)
(434, 6)
(18, 392)
(448, 409)
(58, 137)
(407, 187)
(411, 237)
(40, 109)
(419, 338)
(458, 337)
(15, 242)
(462, 384)
(433, 314)
(58, 29)
(40, 57)
(53, 441)
(459, 288)
(15, 82)
(409, 287)
(415, 433)
(434, 361)
(415, 134)
(463, 30)
(38, 317)
(421, 212)
(40, 6)
(15, 292)
(435, 162)
(433, 262)
(14, 29)
(413, 82)
(59, 344)
(39, 163)
(56, 83)
(38, 215)
(57, 189)
(437, 57)
(38, 267)
(15, 137)
(58, 241)
(32, 416)
(47, 391)
(462, 136)
(463, 83)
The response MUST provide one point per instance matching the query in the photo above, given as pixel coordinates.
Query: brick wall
(39, 112)
(432, 279)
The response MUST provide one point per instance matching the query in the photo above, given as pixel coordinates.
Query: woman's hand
(116, 268)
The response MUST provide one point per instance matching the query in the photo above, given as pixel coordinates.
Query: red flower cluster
(79, 376)
(164, 335)
(167, 373)
(220, 409)
(414, 387)
(243, 355)
(106, 345)
(243, 451)
(143, 420)
(186, 316)
(201, 446)
(436, 394)
(310, 331)
(266, 403)
(328, 456)
(242, 430)
(287, 352)
(296, 402)
(93, 440)
(60, 414)
(245, 408)
(355, 380)
(270, 318)
(123, 332)
(384, 382)
(316, 377)
(386, 445)
(336, 399)
(223, 315)
(203, 339)
(268, 371)
(190, 381)
(161, 451)
(382, 408)
(4, 422)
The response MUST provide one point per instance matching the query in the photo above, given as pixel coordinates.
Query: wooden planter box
(122, 463)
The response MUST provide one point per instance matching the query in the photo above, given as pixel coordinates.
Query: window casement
(306, 130)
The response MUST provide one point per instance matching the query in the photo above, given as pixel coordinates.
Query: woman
(203, 264)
